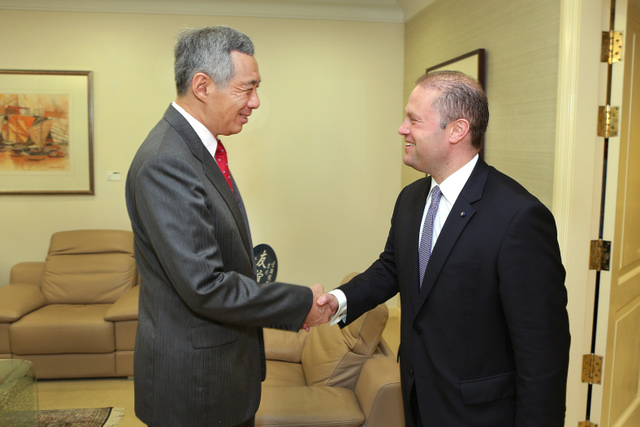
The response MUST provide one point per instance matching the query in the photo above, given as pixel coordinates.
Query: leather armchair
(75, 314)
(332, 376)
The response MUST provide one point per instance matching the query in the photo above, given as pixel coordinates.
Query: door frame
(578, 182)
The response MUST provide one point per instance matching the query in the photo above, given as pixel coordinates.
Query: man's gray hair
(208, 50)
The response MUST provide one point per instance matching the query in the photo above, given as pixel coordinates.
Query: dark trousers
(249, 423)
(415, 411)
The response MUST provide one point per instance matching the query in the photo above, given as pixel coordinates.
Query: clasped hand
(323, 308)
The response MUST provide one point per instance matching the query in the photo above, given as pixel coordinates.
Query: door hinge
(591, 369)
(587, 424)
(600, 255)
(607, 121)
(611, 47)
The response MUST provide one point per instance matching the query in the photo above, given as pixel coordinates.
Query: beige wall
(522, 40)
(317, 164)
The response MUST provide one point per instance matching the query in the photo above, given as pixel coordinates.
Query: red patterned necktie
(223, 163)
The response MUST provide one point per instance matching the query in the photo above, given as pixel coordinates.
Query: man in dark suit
(484, 327)
(199, 354)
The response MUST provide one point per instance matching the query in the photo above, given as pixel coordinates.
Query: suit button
(417, 330)
(410, 372)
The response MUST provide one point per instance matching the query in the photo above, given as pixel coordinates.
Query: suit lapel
(245, 218)
(460, 215)
(212, 171)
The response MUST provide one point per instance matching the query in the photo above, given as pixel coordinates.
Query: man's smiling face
(425, 140)
(232, 105)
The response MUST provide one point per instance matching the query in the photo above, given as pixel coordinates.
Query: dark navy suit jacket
(485, 340)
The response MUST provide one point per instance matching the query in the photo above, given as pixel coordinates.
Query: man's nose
(404, 129)
(254, 100)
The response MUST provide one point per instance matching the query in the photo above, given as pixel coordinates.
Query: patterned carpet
(82, 417)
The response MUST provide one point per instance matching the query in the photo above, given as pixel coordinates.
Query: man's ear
(459, 129)
(201, 86)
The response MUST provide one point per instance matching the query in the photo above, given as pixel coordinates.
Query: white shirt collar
(207, 138)
(454, 183)
(450, 188)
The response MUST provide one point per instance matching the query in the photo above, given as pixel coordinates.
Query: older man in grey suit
(199, 355)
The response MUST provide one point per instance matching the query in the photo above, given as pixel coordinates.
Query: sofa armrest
(125, 307)
(17, 300)
(379, 393)
(285, 346)
(27, 272)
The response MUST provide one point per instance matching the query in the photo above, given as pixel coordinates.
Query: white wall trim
(352, 10)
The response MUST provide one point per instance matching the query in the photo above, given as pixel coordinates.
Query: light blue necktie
(424, 251)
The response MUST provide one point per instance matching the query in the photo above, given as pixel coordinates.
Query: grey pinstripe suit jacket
(199, 355)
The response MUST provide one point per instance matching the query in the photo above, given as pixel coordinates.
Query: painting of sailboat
(35, 132)
(46, 132)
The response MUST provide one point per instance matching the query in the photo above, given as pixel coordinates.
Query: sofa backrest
(89, 267)
(334, 357)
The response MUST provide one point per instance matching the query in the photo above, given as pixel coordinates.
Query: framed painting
(471, 63)
(46, 132)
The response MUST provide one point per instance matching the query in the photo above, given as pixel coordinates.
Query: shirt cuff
(341, 312)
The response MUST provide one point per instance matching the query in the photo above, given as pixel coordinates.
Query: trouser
(415, 411)
(249, 423)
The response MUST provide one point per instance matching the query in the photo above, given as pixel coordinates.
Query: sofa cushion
(284, 374)
(88, 266)
(334, 356)
(308, 406)
(60, 328)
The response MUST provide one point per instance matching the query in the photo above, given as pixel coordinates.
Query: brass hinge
(611, 47)
(607, 121)
(591, 369)
(600, 255)
(587, 424)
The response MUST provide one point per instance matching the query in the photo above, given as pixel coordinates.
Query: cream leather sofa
(74, 315)
(332, 377)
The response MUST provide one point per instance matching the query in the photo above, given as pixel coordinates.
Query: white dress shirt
(450, 188)
(207, 138)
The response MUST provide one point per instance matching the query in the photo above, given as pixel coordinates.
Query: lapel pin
(463, 214)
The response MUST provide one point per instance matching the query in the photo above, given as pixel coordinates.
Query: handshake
(323, 308)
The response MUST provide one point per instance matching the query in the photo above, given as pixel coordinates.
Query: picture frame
(471, 63)
(46, 132)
